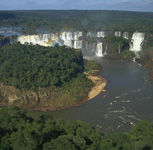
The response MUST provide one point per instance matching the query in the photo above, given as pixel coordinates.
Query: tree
(66, 142)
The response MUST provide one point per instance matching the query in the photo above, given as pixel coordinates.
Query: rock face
(9, 95)
(50, 98)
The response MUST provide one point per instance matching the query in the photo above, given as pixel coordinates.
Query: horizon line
(75, 10)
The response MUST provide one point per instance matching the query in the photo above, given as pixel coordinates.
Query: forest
(43, 78)
(146, 56)
(30, 67)
(73, 20)
(18, 131)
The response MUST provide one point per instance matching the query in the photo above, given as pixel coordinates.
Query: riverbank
(76, 92)
(99, 85)
(92, 73)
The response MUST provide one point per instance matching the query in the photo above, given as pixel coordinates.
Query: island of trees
(51, 77)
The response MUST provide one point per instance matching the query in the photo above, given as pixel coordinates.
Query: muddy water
(134, 102)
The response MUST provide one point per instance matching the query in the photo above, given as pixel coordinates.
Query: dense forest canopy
(85, 20)
(18, 131)
(29, 66)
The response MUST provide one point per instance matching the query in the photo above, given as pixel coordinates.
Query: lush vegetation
(1, 36)
(148, 43)
(20, 132)
(146, 58)
(92, 67)
(127, 54)
(118, 42)
(29, 66)
(85, 20)
(42, 77)
(118, 48)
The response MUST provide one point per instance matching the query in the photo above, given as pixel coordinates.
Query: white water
(75, 40)
(99, 50)
(118, 33)
(125, 35)
(42, 39)
(106, 48)
(101, 34)
(91, 34)
(137, 41)
(68, 43)
(78, 44)
(65, 38)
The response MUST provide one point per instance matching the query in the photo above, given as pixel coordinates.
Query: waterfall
(137, 41)
(91, 34)
(106, 47)
(13, 39)
(69, 43)
(119, 49)
(76, 40)
(125, 35)
(101, 34)
(42, 39)
(63, 35)
(86, 47)
(65, 38)
(78, 44)
(93, 47)
(77, 35)
(117, 33)
(69, 36)
(99, 50)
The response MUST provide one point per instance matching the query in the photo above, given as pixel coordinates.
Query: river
(128, 81)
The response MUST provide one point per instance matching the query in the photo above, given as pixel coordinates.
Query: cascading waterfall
(126, 35)
(69, 43)
(63, 35)
(106, 47)
(119, 49)
(91, 34)
(77, 35)
(86, 47)
(94, 47)
(78, 44)
(78, 40)
(137, 41)
(42, 39)
(69, 36)
(13, 39)
(99, 50)
(118, 33)
(101, 34)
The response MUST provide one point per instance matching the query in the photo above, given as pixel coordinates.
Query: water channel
(126, 80)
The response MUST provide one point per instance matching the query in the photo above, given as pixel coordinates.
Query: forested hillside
(43, 77)
(21, 132)
(84, 20)
(28, 66)
(147, 55)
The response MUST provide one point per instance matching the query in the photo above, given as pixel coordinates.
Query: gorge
(122, 79)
